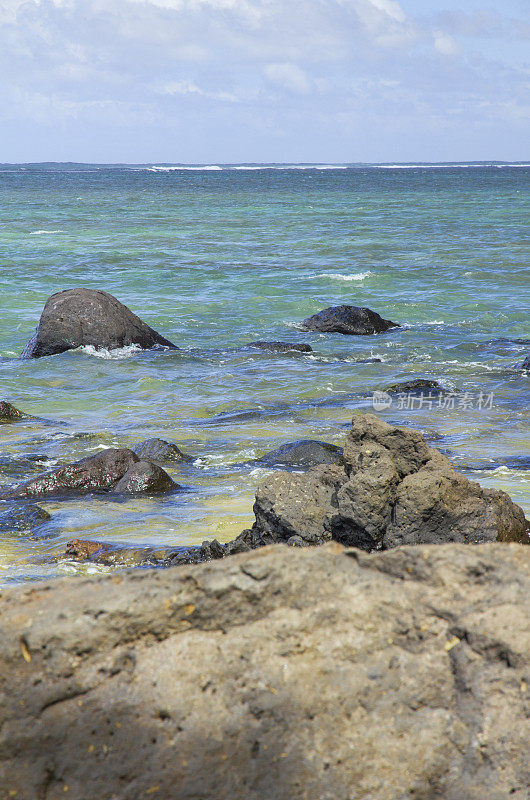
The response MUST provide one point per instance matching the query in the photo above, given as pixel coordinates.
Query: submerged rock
(348, 320)
(101, 472)
(8, 413)
(120, 555)
(393, 489)
(280, 347)
(303, 454)
(22, 518)
(369, 361)
(303, 673)
(78, 317)
(160, 450)
(415, 385)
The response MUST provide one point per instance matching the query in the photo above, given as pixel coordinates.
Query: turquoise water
(216, 258)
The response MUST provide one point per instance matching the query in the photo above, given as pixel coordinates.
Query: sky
(231, 81)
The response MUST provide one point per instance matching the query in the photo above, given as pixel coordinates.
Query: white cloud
(288, 76)
(445, 44)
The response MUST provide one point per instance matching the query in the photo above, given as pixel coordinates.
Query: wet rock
(526, 363)
(260, 676)
(392, 490)
(8, 413)
(145, 477)
(96, 473)
(113, 555)
(78, 317)
(160, 450)
(369, 361)
(416, 385)
(302, 455)
(348, 320)
(22, 518)
(280, 347)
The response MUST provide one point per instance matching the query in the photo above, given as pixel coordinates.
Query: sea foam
(337, 276)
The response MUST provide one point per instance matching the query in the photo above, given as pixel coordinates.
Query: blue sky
(210, 81)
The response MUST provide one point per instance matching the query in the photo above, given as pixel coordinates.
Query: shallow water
(214, 259)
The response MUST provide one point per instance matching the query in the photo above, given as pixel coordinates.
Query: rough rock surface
(101, 472)
(302, 455)
(280, 347)
(348, 320)
(311, 674)
(160, 450)
(78, 317)
(393, 489)
(8, 413)
(415, 385)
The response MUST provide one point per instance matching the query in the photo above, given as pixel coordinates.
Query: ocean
(216, 256)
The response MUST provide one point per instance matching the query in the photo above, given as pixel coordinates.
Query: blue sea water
(216, 256)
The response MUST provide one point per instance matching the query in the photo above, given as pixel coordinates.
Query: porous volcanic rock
(78, 317)
(393, 489)
(160, 450)
(348, 320)
(308, 674)
(302, 455)
(101, 472)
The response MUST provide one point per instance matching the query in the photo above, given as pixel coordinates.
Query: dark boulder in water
(8, 413)
(415, 385)
(526, 363)
(348, 320)
(78, 317)
(302, 455)
(160, 450)
(145, 477)
(23, 518)
(99, 473)
(369, 361)
(280, 347)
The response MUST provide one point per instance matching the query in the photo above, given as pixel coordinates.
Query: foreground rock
(301, 674)
(118, 470)
(160, 450)
(280, 347)
(348, 320)
(393, 489)
(8, 413)
(78, 317)
(302, 455)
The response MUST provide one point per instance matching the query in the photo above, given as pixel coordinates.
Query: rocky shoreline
(370, 629)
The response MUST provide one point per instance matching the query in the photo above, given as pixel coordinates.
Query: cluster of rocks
(386, 488)
(90, 317)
